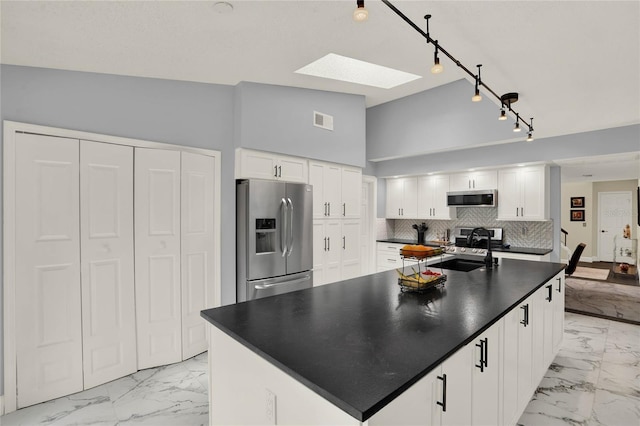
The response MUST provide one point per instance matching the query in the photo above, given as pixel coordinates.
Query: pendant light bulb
(360, 14)
(517, 128)
(503, 115)
(477, 97)
(437, 68)
(529, 137)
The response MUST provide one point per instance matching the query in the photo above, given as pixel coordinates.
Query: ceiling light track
(505, 100)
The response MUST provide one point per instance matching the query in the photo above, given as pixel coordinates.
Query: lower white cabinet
(336, 251)
(491, 380)
(388, 256)
(558, 311)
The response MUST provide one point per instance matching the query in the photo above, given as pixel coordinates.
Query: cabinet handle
(481, 346)
(279, 171)
(469, 183)
(344, 209)
(525, 321)
(474, 184)
(398, 212)
(325, 243)
(522, 211)
(402, 212)
(328, 243)
(276, 171)
(344, 242)
(559, 284)
(443, 404)
(486, 352)
(517, 213)
(392, 260)
(550, 298)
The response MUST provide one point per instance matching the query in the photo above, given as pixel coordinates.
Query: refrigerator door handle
(283, 227)
(290, 242)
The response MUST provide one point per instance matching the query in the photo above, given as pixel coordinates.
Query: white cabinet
(336, 251)
(486, 179)
(336, 190)
(485, 379)
(432, 198)
(388, 256)
(523, 193)
(264, 165)
(558, 310)
(402, 198)
(453, 390)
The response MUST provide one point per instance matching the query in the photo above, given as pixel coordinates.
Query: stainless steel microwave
(476, 198)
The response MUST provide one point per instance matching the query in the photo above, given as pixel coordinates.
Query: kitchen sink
(456, 264)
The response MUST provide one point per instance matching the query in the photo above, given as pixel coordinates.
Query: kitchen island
(360, 350)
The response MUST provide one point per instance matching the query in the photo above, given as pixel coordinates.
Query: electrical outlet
(270, 407)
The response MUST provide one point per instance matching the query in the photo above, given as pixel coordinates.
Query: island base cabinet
(246, 389)
(485, 379)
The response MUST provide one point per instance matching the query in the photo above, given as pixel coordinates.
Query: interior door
(106, 224)
(197, 249)
(157, 261)
(48, 310)
(614, 213)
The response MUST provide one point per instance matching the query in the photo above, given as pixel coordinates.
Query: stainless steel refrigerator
(274, 232)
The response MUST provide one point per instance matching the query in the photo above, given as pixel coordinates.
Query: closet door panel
(106, 229)
(197, 249)
(48, 311)
(157, 256)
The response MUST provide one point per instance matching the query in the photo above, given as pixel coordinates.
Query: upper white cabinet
(432, 198)
(336, 190)
(485, 179)
(402, 198)
(522, 193)
(264, 165)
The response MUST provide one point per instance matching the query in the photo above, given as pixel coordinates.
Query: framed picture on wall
(577, 202)
(577, 215)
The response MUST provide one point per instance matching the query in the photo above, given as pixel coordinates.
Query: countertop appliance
(274, 230)
(475, 198)
(479, 245)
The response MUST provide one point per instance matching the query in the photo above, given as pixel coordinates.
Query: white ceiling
(576, 64)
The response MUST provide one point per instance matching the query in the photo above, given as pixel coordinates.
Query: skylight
(351, 70)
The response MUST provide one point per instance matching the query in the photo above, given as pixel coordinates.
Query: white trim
(1, 405)
(9, 193)
(373, 215)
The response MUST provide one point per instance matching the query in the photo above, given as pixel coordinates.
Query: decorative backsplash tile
(518, 234)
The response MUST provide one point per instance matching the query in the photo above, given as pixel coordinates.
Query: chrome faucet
(488, 259)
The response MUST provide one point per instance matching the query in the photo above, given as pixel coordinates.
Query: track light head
(529, 137)
(503, 114)
(476, 97)
(360, 14)
(516, 127)
(436, 68)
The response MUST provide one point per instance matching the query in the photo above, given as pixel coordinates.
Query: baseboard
(1, 405)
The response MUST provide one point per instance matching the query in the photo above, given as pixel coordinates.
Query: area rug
(591, 273)
(617, 301)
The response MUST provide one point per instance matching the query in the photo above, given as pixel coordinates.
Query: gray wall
(280, 119)
(269, 118)
(438, 119)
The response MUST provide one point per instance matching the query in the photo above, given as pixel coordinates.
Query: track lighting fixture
(506, 99)
(530, 134)
(360, 14)
(436, 68)
(477, 97)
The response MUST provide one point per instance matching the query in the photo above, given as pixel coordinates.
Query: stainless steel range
(478, 245)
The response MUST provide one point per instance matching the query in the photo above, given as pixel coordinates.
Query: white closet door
(197, 249)
(48, 319)
(157, 261)
(106, 232)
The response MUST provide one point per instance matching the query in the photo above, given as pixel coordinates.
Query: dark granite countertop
(360, 343)
(519, 250)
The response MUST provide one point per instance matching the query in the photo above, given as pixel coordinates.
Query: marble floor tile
(593, 381)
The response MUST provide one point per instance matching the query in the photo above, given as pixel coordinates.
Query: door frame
(599, 251)
(9, 237)
(373, 203)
